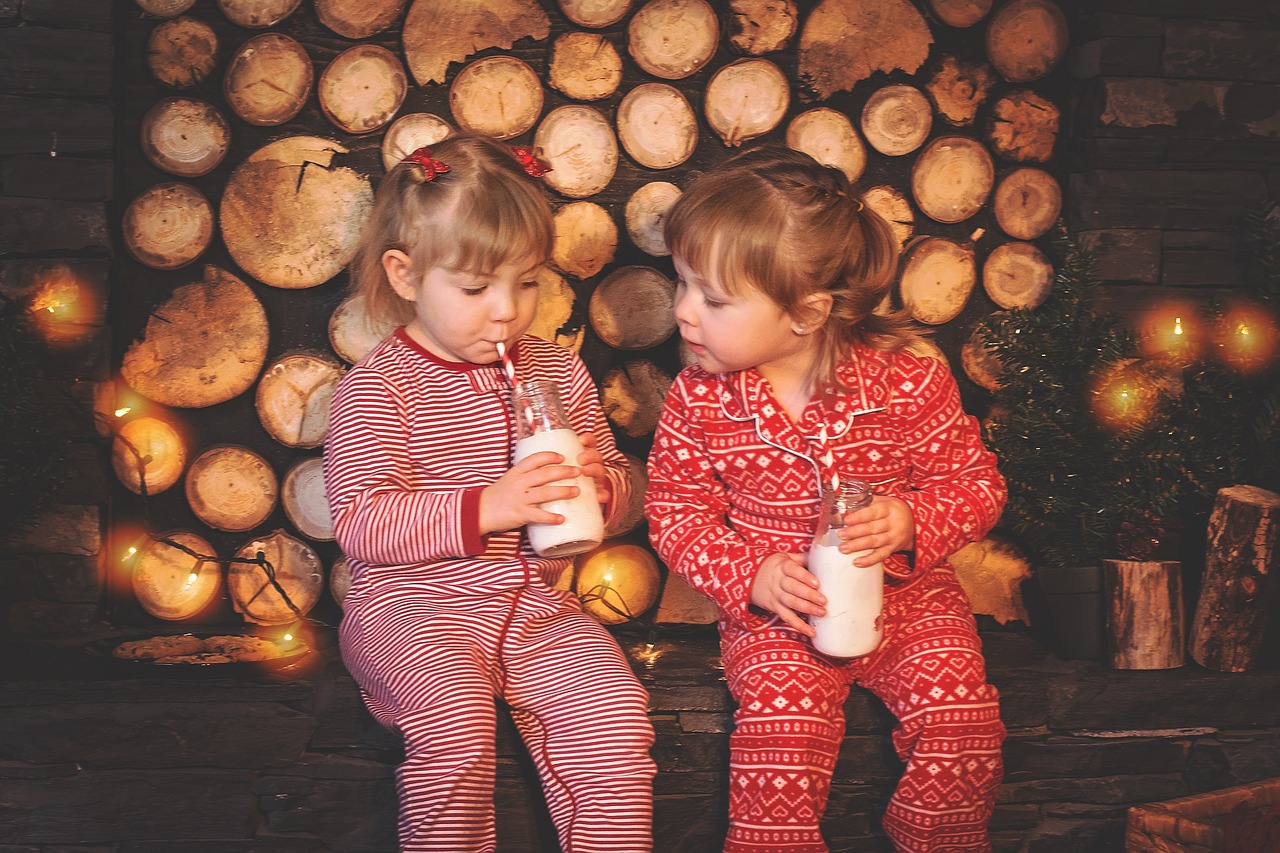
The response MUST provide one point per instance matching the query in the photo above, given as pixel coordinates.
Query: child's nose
(683, 313)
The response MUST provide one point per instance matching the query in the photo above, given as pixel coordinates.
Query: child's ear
(813, 310)
(399, 269)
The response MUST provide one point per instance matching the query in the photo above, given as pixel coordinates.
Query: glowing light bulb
(129, 552)
(122, 411)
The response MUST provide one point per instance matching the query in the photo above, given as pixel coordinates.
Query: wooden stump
(580, 146)
(746, 99)
(1231, 615)
(1145, 622)
(673, 39)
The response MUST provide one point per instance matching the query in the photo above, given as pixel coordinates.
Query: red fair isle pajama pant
(928, 671)
(431, 668)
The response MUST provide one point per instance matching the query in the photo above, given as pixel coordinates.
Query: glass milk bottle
(855, 595)
(541, 424)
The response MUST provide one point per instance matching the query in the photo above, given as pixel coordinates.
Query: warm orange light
(1247, 338)
(1172, 332)
(1123, 398)
(151, 450)
(65, 309)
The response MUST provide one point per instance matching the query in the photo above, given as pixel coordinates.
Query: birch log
(1238, 588)
(1145, 621)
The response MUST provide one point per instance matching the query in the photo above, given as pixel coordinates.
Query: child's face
(460, 315)
(727, 332)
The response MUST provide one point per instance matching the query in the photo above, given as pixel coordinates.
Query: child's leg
(424, 674)
(583, 716)
(931, 675)
(788, 729)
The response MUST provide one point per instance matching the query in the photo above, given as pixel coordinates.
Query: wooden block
(1145, 622)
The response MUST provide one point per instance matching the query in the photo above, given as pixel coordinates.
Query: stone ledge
(298, 765)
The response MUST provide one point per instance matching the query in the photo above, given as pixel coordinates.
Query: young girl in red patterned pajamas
(781, 271)
(449, 606)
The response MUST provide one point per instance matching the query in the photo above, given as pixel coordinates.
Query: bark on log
(231, 488)
(1145, 621)
(358, 19)
(182, 52)
(1024, 127)
(1239, 584)
(438, 32)
(673, 39)
(585, 66)
(757, 27)
(844, 42)
(657, 125)
(581, 149)
(586, 239)
(958, 87)
(362, 88)
(632, 395)
(981, 364)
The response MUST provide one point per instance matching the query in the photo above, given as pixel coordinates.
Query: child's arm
(377, 517)
(957, 493)
(686, 507)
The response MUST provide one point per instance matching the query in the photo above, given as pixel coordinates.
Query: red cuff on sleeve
(473, 542)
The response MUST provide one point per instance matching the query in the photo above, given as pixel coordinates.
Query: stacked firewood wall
(262, 129)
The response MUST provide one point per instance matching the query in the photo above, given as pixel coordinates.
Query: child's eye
(712, 302)
(530, 283)
(473, 291)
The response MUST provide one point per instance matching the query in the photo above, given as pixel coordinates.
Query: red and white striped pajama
(732, 480)
(440, 620)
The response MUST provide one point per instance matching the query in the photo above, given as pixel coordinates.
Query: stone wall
(1176, 138)
(96, 759)
(57, 171)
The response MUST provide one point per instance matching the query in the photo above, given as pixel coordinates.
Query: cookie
(158, 647)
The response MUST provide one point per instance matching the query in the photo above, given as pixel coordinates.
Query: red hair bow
(430, 167)
(533, 167)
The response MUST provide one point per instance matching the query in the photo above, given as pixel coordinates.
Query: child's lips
(694, 348)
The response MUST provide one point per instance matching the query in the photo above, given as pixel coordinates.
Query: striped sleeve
(378, 518)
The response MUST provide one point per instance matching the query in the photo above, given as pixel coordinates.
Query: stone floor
(99, 756)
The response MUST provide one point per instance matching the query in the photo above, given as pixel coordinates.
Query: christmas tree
(1081, 427)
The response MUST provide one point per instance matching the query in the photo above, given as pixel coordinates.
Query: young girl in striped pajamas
(450, 608)
(780, 274)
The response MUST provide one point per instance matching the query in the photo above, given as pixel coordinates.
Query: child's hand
(592, 465)
(784, 586)
(884, 527)
(512, 500)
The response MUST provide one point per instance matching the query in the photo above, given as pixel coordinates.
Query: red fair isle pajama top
(732, 480)
(440, 620)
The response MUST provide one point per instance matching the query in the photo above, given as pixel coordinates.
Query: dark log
(34, 225)
(1145, 622)
(84, 14)
(1236, 594)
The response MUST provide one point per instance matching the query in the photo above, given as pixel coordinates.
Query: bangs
(484, 230)
(716, 233)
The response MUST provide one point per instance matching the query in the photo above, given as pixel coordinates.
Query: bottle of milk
(541, 424)
(855, 594)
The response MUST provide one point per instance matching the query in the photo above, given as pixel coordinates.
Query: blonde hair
(484, 212)
(776, 220)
